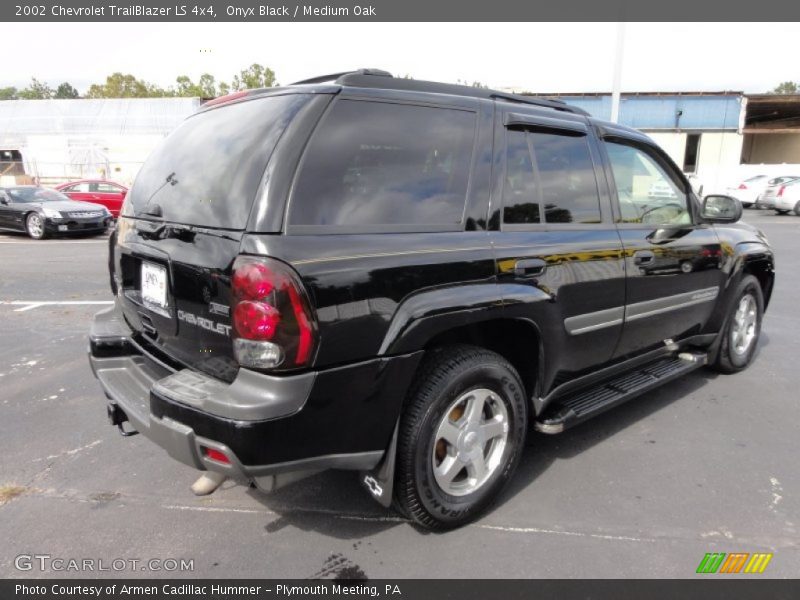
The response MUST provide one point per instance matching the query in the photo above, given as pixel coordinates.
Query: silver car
(767, 198)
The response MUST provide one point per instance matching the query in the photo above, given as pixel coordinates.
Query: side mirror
(3, 200)
(721, 209)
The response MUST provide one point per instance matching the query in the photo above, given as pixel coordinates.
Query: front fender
(754, 257)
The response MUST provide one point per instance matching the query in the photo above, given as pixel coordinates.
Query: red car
(96, 191)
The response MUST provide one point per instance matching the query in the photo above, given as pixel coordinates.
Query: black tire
(35, 232)
(797, 209)
(449, 374)
(728, 359)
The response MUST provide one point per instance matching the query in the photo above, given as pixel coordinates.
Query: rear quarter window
(385, 165)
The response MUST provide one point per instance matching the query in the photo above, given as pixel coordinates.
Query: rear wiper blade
(147, 211)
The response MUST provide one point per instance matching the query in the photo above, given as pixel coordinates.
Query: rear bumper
(767, 203)
(266, 426)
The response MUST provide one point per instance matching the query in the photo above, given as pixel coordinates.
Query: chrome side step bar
(584, 404)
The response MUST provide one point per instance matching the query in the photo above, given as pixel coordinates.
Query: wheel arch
(750, 258)
(513, 339)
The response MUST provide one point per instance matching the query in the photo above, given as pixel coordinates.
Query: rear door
(558, 240)
(672, 262)
(182, 229)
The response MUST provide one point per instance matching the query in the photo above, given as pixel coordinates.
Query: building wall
(673, 143)
(771, 148)
(88, 138)
(718, 155)
(719, 111)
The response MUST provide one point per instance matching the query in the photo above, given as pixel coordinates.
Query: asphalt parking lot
(705, 464)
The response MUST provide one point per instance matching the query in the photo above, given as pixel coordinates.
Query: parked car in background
(40, 212)
(767, 198)
(98, 191)
(787, 198)
(748, 190)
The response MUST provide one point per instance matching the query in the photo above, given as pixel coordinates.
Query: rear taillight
(272, 320)
(742, 186)
(780, 191)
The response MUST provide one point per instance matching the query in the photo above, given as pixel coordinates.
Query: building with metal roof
(57, 140)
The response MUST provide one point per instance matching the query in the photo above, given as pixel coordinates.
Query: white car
(748, 190)
(787, 198)
(766, 199)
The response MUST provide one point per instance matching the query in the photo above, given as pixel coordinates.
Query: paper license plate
(154, 285)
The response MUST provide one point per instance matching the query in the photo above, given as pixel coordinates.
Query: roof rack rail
(544, 102)
(375, 78)
(336, 76)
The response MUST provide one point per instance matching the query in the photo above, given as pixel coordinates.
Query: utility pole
(618, 57)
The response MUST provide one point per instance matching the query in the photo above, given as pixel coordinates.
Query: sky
(537, 57)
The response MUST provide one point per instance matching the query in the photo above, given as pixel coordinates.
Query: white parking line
(41, 243)
(30, 305)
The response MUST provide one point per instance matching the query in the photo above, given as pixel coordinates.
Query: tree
(255, 76)
(37, 90)
(186, 87)
(475, 84)
(206, 87)
(8, 93)
(787, 87)
(119, 85)
(66, 91)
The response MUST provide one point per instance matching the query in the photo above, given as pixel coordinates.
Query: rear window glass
(207, 172)
(377, 163)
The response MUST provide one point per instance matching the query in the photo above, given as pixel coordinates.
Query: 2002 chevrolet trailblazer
(401, 277)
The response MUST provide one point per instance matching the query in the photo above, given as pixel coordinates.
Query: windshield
(207, 171)
(34, 194)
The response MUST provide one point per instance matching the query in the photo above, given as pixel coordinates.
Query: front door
(672, 262)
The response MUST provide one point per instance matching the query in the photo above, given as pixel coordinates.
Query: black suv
(402, 278)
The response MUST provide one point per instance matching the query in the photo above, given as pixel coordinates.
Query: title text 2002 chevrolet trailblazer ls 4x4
(402, 277)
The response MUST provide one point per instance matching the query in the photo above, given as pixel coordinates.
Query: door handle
(643, 257)
(529, 267)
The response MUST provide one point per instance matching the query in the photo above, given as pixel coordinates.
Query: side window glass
(520, 196)
(566, 173)
(646, 193)
(385, 164)
(549, 178)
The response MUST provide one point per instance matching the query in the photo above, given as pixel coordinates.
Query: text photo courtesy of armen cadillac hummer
(276, 313)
